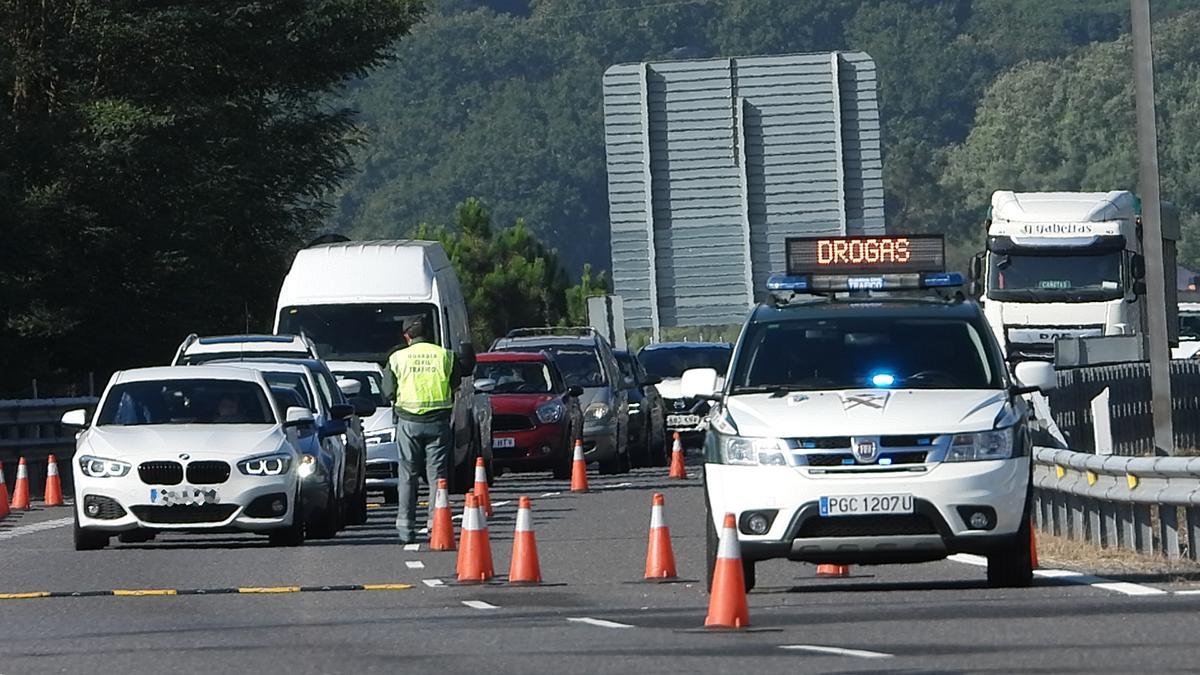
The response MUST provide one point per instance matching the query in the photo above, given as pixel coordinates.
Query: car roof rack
(557, 331)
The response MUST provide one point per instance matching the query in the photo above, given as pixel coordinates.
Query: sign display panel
(869, 254)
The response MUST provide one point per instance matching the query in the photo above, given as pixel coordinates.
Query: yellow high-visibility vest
(422, 371)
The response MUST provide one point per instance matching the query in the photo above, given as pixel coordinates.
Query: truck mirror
(1137, 267)
(975, 269)
(1139, 287)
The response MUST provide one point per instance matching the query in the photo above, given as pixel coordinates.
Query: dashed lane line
(603, 623)
(1122, 587)
(414, 564)
(479, 604)
(615, 485)
(35, 527)
(433, 583)
(243, 590)
(838, 651)
(548, 494)
(412, 547)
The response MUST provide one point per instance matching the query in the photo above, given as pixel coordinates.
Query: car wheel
(1012, 565)
(360, 507)
(324, 524)
(712, 542)
(89, 540)
(391, 495)
(292, 535)
(660, 448)
(566, 461)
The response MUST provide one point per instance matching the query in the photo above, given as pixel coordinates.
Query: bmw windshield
(185, 402)
(853, 353)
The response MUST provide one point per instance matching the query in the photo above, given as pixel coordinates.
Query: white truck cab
(868, 417)
(1066, 264)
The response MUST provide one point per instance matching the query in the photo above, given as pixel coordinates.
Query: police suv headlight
(752, 451)
(99, 467)
(598, 411)
(265, 465)
(381, 437)
(981, 446)
(551, 412)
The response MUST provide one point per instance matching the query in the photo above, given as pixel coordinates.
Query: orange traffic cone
(579, 480)
(467, 515)
(1033, 546)
(476, 556)
(524, 568)
(833, 570)
(660, 558)
(481, 487)
(53, 496)
(20, 498)
(3, 494)
(727, 599)
(677, 470)
(441, 529)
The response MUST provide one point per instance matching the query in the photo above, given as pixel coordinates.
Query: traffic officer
(426, 376)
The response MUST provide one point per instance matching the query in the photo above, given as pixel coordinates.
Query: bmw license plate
(683, 420)
(503, 442)
(866, 505)
(185, 496)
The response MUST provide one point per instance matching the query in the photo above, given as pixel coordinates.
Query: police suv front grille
(846, 459)
(208, 473)
(827, 443)
(906, 441)
(184, 514)
(161, 473)
(867, 526)
(511, 423)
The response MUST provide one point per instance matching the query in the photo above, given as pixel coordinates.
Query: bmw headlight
(551, 412)
(265, 465)
(99, 467)
(598, 411)
(752, 451)
(381, 437)
(984, 445)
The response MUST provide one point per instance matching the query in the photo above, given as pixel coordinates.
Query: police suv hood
(671, 388)
(865, 412)
(230, 442)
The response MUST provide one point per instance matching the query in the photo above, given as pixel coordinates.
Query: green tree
(577, 295)
(161, 162)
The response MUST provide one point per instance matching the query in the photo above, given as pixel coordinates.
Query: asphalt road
(593, 615)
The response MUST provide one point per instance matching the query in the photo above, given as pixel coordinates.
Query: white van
(352, 299)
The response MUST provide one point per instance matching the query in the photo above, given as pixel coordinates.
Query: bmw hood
(865, 412)
(139, 443)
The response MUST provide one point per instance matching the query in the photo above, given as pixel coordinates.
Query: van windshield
(357, 332)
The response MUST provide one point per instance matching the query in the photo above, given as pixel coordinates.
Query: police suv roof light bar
(821, 265)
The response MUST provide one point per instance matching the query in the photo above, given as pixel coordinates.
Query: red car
(535, 415)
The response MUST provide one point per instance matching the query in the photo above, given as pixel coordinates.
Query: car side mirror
(340, 411)
(466, 355)
(698, 383)
(484, 385)
(576, 391)
(363, 406)
(295, 416)
(75, 418)
(1035, 376)
(333, 428)
(350, 387)
(651, 380)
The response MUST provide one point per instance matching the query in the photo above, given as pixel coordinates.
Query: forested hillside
(501, 99)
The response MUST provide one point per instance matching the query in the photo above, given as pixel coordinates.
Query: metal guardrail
(1131, 503)
(32, 428)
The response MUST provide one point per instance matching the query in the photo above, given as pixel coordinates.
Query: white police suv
(868, 417)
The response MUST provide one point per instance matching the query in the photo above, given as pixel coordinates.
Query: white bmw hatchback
(186, 448)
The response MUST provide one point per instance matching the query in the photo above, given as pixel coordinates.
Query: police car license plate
(866, 505)
(504, 442)
(186, 496)
(683, 420)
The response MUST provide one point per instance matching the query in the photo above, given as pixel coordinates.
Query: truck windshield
(855, 353)
(356, 332)
(1055, 278)
(668, 362)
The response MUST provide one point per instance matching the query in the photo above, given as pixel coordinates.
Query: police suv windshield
(864, 352)
(667, 362)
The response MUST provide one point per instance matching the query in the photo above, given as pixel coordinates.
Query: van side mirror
(466, 355)
(699, 383)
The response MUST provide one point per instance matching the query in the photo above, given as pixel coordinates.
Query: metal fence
(31, 428)
(1129, 405)
(1132, 503)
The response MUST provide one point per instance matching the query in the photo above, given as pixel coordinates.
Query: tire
(748, 574)
(1012, 565)
(89, 540)
(292, 535)
(660, 448)
(326, 523)
(712, 543)
(562, 468)
(391, 495)
(359, 509)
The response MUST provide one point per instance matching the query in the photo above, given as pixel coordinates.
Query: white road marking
(1189, 591)
(412, 547)
(838, 651)
(35, 527)
(496, 505)
(457, 517)
(549, 494)
(433, 583)
(609, 487)
(479, 604)
(1123, 587)
(414, 564)
(598, 622)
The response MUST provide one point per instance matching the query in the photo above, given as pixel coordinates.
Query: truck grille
(185, 514)
(161, 473)
(867, 526)
(511, 423)
(208, 473)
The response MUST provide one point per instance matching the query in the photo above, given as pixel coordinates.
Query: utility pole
(1152, 243)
